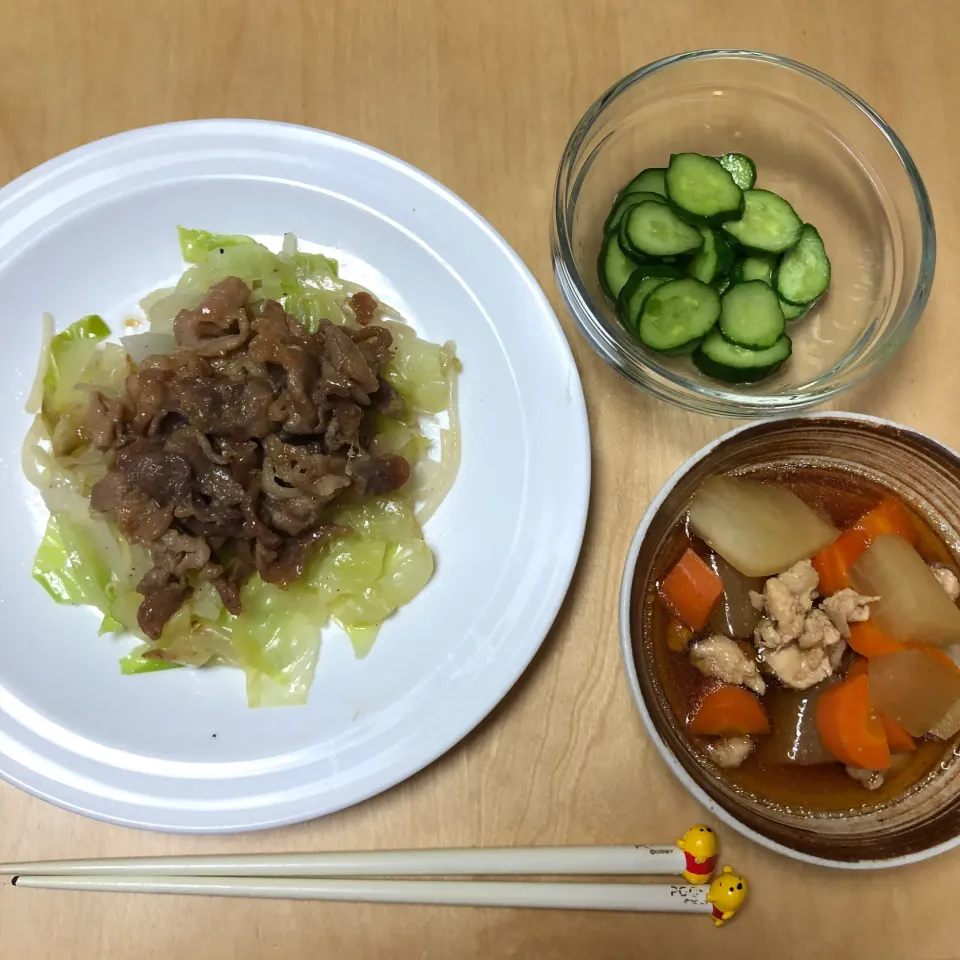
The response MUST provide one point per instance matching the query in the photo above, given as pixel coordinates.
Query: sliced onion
(35, 397)
(913, 607)
(449, 456)
(758, 528)
(142, 345)
(914, 689)
(35, 456)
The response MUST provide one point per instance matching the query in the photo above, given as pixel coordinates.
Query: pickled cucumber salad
(257, 462)
(701, 262)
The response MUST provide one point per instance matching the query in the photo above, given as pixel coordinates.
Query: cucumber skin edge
(719, 371)
(715, 222)
(600, 271)
(776, 271)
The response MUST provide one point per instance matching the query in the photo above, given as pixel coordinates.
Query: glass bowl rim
(630, 664)
(677, 389)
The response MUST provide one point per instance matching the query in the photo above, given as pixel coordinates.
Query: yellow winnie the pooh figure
(699, 846)
(725, 895)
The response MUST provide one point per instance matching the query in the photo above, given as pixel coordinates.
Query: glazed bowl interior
(815, 143)
(925, 475)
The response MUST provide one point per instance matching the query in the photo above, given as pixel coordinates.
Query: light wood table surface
(483, 96)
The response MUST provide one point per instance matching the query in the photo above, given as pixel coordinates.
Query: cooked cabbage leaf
(358, 580)
(68, 354)
(134, 662)
(68, 566)
(307, 284)
(197, 245)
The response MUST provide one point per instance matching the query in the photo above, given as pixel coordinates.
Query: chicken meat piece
(802, 580)
(846, 607)
(947, 579)
(729, 752)
(818, 631)
(767, 637)
(836, 652)
(871, 779)
(724, 659)
(786, 600)
(799, 669)
(799, 644)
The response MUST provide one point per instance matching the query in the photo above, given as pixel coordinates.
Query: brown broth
(844, 498)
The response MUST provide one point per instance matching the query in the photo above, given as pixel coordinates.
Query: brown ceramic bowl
(925, 474)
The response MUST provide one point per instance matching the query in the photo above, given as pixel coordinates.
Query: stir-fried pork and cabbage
(251, 467)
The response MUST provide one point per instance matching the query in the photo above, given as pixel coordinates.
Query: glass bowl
(814, 142)
(924, 474)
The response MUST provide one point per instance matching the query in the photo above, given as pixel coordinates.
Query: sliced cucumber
(652, 229)
(768, 223)
(613, 266)
(684, 350)
(651, 179)
(643, 281)
(750, 315)
(803, 272)
(757, 266)
(741, 168)
(719, 358)
(698, 261)
(714, 260)
(677, 312)
(624, 202)
(700, 190)
(792, 311)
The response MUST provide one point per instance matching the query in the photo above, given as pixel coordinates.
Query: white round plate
(95, 229)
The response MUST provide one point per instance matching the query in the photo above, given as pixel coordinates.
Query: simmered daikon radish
(913, 607)
(758, 528)
(948, 726)
(913, 688)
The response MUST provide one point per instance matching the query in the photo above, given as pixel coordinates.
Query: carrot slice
(690, 590)
(833, 562)
(849, 728)
(938, 654)
(870, 641)
(729, 711)
(897, 738)
(890, 516)
(678, 636)
(858, 668)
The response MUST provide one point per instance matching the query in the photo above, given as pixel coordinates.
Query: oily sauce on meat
(844, 497)
(225, 455)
